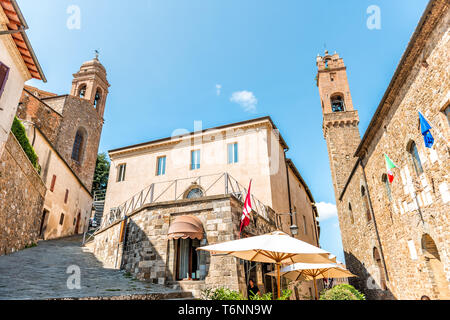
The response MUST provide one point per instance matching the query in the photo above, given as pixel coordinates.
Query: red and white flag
(245, 219)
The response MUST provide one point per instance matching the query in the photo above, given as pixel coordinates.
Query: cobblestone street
(40, 273)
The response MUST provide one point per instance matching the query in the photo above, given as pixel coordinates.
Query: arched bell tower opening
(337, 103)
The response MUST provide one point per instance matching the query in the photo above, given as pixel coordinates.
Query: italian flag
(389, 166)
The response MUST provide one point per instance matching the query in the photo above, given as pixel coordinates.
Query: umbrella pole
(278, 281)
(315, 288)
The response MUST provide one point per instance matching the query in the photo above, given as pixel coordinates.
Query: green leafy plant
(101, 173)
(285, 295)
(227, 294)
(31, 245)
(342, 292)
(266, 296)
(20, 133)
(221, 294)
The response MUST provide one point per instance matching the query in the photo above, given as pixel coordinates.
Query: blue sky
(166, 58)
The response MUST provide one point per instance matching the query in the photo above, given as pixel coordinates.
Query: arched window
(350, 210)
(387, 186)
(337, 103)
(82, 91)
(366, 203)
(78, 145)
(98, 97)
(194, 193)
(415, 158)
(377, 258)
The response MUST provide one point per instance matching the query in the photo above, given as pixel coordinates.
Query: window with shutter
(4, 71)
(52, 186)
(61, 219)
(66, 197)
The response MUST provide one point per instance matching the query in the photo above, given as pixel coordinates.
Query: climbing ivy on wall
(19, 132)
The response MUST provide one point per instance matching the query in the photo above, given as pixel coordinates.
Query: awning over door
(186, 227)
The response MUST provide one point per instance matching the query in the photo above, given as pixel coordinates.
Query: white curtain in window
(183, 266)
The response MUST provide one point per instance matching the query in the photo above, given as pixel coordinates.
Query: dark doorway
(43, 226)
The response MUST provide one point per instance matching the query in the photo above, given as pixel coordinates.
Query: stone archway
(435, 267)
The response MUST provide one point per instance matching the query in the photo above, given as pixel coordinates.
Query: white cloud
(218, 89)
(326, 211)
(246, 100)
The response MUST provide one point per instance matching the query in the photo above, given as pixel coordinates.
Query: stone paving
(40, 273)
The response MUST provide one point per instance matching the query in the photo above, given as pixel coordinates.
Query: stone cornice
(331, 69)
(337, 119)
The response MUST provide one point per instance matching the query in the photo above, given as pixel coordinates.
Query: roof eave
(24, 23)
(149, 143)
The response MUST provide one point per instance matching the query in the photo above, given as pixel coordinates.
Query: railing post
(226, 183)
(152, 192)
(176, 183)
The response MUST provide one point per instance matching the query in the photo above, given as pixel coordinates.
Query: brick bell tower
(91, 84)
(340, 120)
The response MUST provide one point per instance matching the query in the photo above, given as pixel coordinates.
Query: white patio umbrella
(276, 247)
(313, 271)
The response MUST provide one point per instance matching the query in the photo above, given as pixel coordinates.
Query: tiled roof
(17, 22)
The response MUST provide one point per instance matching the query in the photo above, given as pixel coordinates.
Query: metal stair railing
(214, 184)
(90, 235)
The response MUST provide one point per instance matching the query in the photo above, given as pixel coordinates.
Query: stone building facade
(65, 132)
(21, 189)
(150, 255)
(203, 174)
(396, 237)
(68, 203)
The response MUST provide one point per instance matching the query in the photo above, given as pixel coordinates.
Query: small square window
(332, 76)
